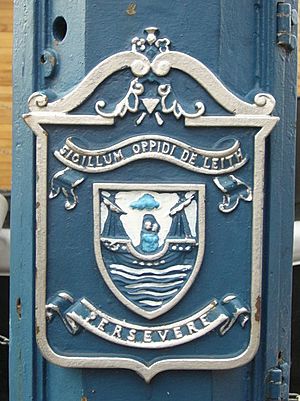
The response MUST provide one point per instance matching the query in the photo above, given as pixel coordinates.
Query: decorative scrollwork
(266, 101)
(175, 107)
(37, 100)
(164, 104)
(129, 103)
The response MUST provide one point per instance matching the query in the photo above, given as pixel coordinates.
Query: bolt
(48, 61)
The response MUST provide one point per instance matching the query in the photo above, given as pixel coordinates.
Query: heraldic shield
(149, 243)
(149, 210)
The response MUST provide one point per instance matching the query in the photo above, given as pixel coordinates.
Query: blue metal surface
(237, 41)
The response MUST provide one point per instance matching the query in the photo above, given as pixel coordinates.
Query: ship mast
(180, 227)
(113, 227)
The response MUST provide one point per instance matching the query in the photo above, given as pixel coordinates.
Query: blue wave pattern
(150, 287)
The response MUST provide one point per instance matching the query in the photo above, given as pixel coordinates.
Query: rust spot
(38, 205)
(258, 308)
(131, 9)
(37, 330)
(84, 398)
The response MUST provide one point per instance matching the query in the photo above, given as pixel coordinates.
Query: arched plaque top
(140, 61)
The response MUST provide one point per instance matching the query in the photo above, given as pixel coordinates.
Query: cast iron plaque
(149, 199)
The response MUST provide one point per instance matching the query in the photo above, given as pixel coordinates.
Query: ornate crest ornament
(140, 200)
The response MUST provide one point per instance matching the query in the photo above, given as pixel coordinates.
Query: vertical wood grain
(6, 34)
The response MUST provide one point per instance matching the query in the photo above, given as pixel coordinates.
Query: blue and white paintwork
(149, 244)
(237, 43)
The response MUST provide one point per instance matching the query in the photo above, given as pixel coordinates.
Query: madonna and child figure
(149, 234)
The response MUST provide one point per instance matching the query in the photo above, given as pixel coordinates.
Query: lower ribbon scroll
(217, 315)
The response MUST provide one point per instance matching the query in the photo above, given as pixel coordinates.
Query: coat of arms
(149, 215)
(149, 245)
